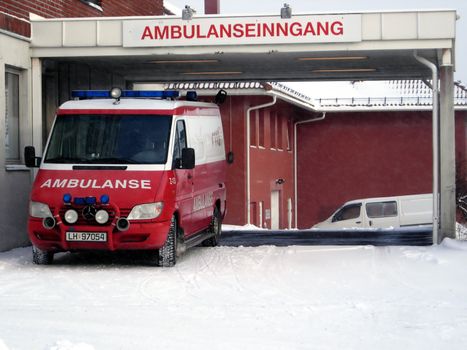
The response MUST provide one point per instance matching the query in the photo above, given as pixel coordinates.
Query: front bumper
(139, 236)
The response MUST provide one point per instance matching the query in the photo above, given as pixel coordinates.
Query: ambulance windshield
(109, 139)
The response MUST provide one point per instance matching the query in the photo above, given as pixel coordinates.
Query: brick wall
(70, 8)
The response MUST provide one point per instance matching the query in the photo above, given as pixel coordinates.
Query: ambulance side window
(180, 143)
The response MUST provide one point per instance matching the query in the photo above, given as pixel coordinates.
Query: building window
(12, 122)
(261, 129)
(280, 122)
(253, 129)
(288, 134)
(273, 128)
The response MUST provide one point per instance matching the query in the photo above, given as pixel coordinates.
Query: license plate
(86, 236)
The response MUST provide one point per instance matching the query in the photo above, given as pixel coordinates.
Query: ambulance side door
(184, 179)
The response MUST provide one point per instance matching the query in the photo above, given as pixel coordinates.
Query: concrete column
(447, 150)
(211, 7)
(36, 99)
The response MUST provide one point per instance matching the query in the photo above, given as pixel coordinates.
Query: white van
(383, 212)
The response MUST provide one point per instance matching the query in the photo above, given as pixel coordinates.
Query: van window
(180, 143)
(348, 212)
(381, 209)
(109, 139)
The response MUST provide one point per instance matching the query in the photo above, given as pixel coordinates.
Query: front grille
(82, 221)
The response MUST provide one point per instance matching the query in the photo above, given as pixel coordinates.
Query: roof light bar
(90, 94)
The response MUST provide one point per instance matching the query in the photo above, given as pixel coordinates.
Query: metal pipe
(248, 170)
(295, 151)
(436, 167)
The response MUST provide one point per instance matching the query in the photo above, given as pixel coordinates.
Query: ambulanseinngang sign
(242, 30)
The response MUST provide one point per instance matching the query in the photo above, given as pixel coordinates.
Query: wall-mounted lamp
(286, 11)
(187, 13)
(280, 181)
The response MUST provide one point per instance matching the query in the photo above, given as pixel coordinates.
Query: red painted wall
(70, 8)
(233, 121)
(357, 155)
(267, 165)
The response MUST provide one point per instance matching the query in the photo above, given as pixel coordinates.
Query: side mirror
(30, 158)
(188, 158)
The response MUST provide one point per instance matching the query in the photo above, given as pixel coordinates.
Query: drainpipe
(434, 71)
(248, 182)
(295, 151)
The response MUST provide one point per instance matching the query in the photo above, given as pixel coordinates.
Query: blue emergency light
(105, 199)
(67, 198)
(90, 94)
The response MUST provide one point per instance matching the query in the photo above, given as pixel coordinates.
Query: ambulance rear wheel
(41, 257)
(215, 228)
(167, 256)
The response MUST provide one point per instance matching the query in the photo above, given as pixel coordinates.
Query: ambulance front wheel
(215, 228)
(41, 257)
(167, 255)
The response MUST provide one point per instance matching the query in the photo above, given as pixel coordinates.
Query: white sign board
(162, 32)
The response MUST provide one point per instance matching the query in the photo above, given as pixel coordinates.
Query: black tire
(41, 257)
(167, 256)
(215, 228)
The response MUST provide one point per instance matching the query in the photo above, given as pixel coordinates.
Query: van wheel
(215, 228)
(41, 257)
(167, 256)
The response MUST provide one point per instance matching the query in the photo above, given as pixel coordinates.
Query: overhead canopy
(357, 46)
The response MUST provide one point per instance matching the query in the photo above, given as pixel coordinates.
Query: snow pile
(67, 345)
(241, 228)
(297, 297)
(461, 232)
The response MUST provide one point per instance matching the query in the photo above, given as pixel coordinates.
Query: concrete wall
(358, 155)
(15, 179)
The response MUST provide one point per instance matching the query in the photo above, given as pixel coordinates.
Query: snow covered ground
(267, 297)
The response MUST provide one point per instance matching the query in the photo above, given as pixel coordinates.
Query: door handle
(358, 222)
(189, 176)
(370, 223)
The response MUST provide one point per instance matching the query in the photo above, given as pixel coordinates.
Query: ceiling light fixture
(212, 73)
(337, 58)
(344, 70)
(183, 61)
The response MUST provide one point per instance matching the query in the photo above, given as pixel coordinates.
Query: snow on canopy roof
(240, 87)
(394, 94)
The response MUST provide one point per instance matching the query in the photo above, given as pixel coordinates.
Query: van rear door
(382, 214)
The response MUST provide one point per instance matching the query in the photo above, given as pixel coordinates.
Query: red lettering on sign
(337, 28)
(147, 33)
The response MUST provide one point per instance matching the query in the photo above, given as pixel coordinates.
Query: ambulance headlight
(39, 210)
(71, 216)
(102, 216)
(146, 211)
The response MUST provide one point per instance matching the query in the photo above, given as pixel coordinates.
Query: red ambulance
(133, 170)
